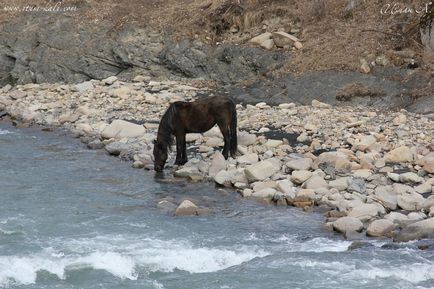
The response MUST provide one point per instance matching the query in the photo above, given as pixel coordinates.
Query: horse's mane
(165, 128)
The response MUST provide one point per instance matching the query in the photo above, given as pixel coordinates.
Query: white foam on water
(195, 260)
(318, 245)
(23, 270)
(122, 258)
(112, 262)
(413, 273)
(4, 131)
(353, 271)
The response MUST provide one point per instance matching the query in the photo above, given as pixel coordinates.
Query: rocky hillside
(354, 51)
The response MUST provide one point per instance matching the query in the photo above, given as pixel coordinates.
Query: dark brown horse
(195, 117)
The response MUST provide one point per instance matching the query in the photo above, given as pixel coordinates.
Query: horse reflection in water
(195, 117)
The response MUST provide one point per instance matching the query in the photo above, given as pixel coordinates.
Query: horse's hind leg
(225, 132)
(181, 150)
(184, 150)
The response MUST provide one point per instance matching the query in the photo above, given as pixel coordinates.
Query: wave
(122, 258)
(4, 131)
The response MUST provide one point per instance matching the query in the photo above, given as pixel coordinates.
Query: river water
(75, 218)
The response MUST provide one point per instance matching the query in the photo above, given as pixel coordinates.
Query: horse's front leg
(184, 150)
(225, 132)
(179, 149)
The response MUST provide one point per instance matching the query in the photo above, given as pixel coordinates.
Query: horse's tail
(233, 131)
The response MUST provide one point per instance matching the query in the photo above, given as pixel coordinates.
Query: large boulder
(218, 163)
(340, 184)
(410, 177)
(339, 160)
(415, 231)
(223, 178)
(315, 182)
(123, 129)
(245, 138)
(248, 159)
(300, 164)
(258, 40)
(282, 39)
(401, 154)
(260, 171)
(186, 208)
(410, 201)
(300, 177)
(188, 172)
(267, 193)
(379, 228)
(427, 162)
(364, 212)
(347, 224)
(387, 197)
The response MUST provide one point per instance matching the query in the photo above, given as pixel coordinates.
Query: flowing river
(75, 218)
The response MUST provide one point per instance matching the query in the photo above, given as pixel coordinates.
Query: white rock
(281, 39)
(410, 201)
(396, 217)
(387, 196)
(394, 177)
(273, 143)
(418, 230)
(286, 187)
(267, 193)
(110, 80)
(300, 177)
(379, 228)
(214, 142)
(248, 159)
(400, 155)
(364, 212)
(218, 163)
(246, 139)
(267, 44)
(286, 105)
(192, 137)
(186, 208)
(188, 172)
(123, 129)
(260, 171)
(426, 187)
(213, 132)
(84, 86)
(362, 173)
(410, 177)
(315, 182)
(340, 184)
(258, 186)
(318, 104)
(223, 178)
(347, 224)
(300, 164)
(258, 40)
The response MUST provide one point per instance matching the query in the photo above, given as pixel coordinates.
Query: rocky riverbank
(373, 170)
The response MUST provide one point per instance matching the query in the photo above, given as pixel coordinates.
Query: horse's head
(160, 155)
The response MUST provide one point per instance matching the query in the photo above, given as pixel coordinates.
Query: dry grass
(332, 38)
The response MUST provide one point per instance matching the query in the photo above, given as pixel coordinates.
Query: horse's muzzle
(158, 169)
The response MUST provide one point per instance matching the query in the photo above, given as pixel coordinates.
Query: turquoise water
(75, 218)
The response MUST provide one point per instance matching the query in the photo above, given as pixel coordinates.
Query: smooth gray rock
(260, 171)
(416, 231)
(379, 228)
(347, 224)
